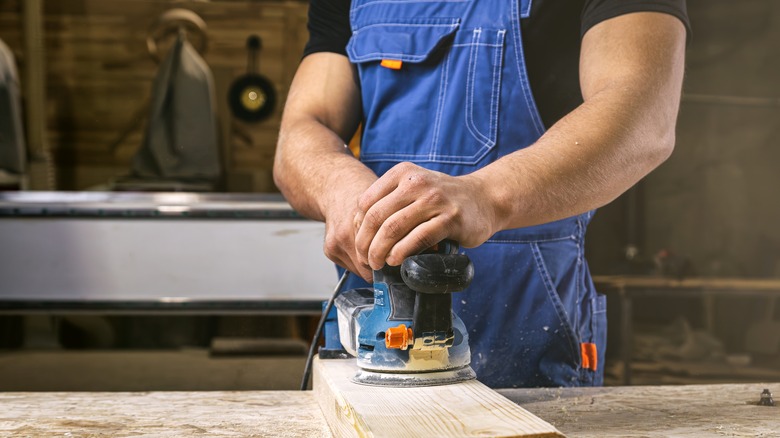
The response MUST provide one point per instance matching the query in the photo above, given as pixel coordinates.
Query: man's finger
(395, 228)
(363, 270)
(374, 218)
(422, 237)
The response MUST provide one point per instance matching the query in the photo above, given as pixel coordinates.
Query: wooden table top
(655, 411)
(660, 411)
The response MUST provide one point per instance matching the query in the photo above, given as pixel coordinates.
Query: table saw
(146, 252)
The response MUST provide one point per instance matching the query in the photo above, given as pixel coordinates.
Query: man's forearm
(624, 130)
(313, 168)
(585, 161)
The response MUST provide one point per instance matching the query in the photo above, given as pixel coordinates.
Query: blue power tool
(403, 331)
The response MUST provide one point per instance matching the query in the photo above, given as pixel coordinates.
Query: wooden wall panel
(99, 76)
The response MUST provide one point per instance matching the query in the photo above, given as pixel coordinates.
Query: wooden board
(463, 409)
(161, 414)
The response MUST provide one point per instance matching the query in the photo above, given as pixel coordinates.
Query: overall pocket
(558, 266)
(441, 102)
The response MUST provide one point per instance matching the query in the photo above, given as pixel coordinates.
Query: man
(501, 124)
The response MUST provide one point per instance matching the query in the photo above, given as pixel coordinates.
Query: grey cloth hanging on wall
(12, 145)
(181, 140)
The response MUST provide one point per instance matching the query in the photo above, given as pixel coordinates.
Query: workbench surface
(655, 411)
(661, 411)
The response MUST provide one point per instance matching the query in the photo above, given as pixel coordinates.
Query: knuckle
(393, 229)
(373, 217)
(364, 202)
(361, 246)
(366, 272)
(454, 215)
(405, 166)
(330, 248)
(434, 196)
(371, 255)
(377, 254)
(425, 241)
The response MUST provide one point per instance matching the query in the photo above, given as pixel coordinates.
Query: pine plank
(464, 409)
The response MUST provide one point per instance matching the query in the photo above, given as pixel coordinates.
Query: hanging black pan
(252, 96)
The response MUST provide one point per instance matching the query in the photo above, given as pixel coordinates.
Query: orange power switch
(399, 337)
(392, 64)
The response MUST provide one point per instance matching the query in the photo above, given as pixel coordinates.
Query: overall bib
(444, 85)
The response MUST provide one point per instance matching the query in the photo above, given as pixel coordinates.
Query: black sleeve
(552, 38)
(596, 11)
(329, 29)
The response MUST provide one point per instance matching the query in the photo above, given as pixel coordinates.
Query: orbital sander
(403, 331)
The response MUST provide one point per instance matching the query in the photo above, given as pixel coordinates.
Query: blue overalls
(458, 100)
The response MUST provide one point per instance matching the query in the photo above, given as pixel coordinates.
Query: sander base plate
(409, 380)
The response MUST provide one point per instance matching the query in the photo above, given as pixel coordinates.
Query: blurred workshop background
(118, 272)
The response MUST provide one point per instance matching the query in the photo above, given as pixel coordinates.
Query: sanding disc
(409, 380)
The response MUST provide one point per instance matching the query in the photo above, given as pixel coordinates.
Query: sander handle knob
(437, 273)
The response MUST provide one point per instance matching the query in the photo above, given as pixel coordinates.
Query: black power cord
(318, 333)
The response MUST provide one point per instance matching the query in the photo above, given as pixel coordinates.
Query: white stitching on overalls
(471, 75)
(529, 240)
(408, 1)
(527, 11)
(452, 23)
(442, 94)
(496, 95)
(520, 61)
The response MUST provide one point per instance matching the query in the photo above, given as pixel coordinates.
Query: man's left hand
(410, 209)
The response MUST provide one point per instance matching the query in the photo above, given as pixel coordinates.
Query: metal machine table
(159, 252)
